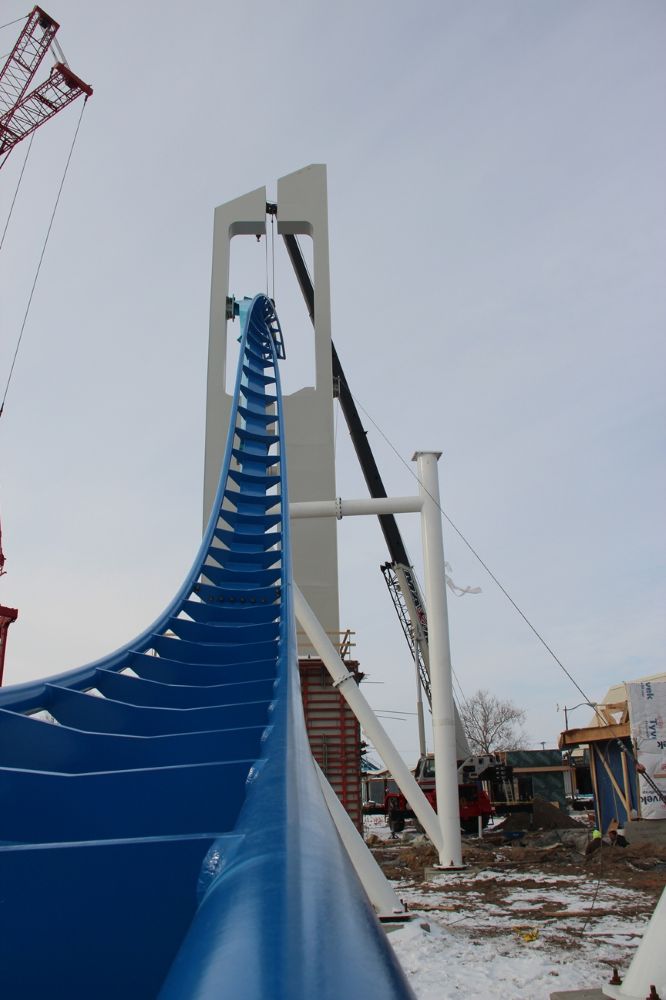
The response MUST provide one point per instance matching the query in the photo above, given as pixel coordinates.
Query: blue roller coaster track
(170, 838)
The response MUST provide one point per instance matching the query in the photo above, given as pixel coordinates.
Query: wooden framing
(593, 776)
(593, 734)
(625, 778)
(620, 707)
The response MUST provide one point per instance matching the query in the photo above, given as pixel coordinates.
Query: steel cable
(15, 21)
(41, 258)
(18, 185)
(603, 721)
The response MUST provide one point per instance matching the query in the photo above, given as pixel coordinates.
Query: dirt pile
(544, 816)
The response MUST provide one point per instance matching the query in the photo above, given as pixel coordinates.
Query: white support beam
(374, 881)
(346, 508)
(648, 966)
(441, 686)
(350, 691)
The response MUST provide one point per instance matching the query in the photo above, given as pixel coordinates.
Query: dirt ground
(536, 886)
(642, 867)
(533, 910)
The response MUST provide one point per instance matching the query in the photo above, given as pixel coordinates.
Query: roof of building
(617, 695)
(611, 718)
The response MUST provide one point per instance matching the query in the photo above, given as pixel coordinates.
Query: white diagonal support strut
(349, 689)
(373, 879)
(648, 966)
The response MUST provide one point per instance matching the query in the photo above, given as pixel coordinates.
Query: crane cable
(15, 21)
(461, 693)
(604, 722)
(16, 191)
(475, 554)
(41, 258)
(273, 252)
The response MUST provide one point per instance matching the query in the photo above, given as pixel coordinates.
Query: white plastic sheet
(647, 713)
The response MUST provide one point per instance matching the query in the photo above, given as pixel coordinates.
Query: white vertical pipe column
(373, 879)
(349, 689)
(441, 686)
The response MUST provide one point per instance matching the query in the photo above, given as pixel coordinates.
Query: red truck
(474, 801)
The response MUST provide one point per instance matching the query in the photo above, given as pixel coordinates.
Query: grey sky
(497, 222)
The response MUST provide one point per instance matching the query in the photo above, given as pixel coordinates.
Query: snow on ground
(517, 934)
(452, 962)
(377, 826)
(472, 948)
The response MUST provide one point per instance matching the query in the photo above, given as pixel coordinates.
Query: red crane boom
(23, 61)
(21, 112)
(7, 616)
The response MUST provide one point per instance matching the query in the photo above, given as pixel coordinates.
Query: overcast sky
(496, 201)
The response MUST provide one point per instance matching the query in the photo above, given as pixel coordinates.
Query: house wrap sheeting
(647, 714)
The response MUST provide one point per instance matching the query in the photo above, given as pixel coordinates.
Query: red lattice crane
(7, 616)
(23, 111)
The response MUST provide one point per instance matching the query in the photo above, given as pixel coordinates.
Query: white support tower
(301, 210)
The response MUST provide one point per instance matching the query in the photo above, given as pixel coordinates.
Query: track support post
(349, 689)
(646, 976)
(378, 888)
(443, 712)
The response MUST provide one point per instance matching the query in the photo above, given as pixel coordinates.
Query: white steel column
(349, 690)
(443, 712)
(374, 881)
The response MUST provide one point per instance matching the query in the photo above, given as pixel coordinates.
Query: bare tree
(492, 723)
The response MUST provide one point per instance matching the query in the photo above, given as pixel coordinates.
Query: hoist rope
(596, 892)
(266, 255)
(476, 554)
(273, 252)
(336, 410)
(595, 708)
(18, 185)
(41, 258)
(461, 693)
(16, 21)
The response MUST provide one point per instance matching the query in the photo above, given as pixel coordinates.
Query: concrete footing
(431, 871)
(590, 994)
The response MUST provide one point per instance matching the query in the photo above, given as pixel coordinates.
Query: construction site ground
(534, 915)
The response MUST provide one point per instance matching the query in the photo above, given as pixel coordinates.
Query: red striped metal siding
(334, 733)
